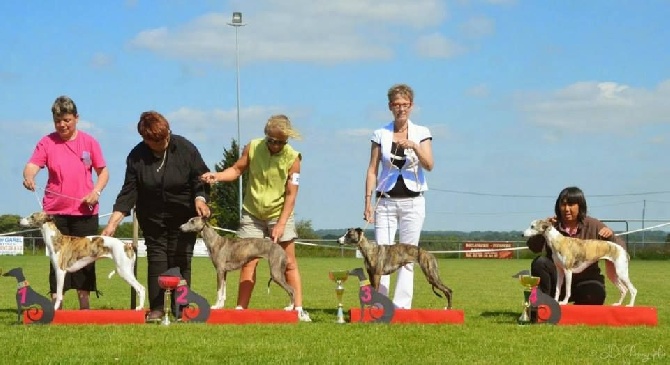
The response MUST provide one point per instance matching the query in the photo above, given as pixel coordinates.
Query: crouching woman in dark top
(588, 287)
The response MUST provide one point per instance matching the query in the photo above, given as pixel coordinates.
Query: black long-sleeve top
(165, 183)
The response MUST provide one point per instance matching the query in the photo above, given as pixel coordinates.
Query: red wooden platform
(232, 316)
(120, 316)
(93, 316)
(605, 315)
(452, 316)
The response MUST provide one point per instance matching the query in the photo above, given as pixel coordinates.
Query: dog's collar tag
(22, 284)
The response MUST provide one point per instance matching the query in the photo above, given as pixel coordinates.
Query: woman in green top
(269, 200)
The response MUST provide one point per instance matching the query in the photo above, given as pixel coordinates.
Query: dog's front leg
(568, 287)
(375, 281)
(60, 283)
(560, 274)
(220, 290)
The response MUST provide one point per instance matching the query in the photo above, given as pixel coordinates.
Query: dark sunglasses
(275, 142)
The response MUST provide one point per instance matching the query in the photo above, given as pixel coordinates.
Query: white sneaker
(303, 316)
(239, 308)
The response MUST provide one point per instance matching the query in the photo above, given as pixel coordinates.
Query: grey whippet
(231, 253)
(387, 259)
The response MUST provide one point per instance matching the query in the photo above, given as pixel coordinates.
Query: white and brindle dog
(231, 253)
(70, 254)
(573, 255)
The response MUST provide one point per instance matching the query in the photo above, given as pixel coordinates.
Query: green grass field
(484, 289)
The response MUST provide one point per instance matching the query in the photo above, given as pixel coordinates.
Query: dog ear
(545, 225)
(359, 231)
(47, 217)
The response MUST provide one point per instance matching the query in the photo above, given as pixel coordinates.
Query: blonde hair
(401, 90)
(280, 122)
(63, 105)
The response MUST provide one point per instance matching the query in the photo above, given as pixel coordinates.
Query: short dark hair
(571, 195)
(153, 126)
(63, 105)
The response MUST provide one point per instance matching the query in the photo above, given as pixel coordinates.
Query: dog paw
(563, 302)
(616, 304)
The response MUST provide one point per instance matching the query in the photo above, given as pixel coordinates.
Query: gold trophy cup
(339, 277)
(529, 282)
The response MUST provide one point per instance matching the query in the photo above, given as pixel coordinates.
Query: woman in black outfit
(162, 182)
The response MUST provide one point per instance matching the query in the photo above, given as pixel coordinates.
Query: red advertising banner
(476, 246)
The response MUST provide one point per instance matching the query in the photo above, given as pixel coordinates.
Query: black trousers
(76, 225)
(167, 247)
(591, 292)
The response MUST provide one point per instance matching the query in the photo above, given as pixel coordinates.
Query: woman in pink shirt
(70, 195)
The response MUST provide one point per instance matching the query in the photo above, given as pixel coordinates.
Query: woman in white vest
(405, 151)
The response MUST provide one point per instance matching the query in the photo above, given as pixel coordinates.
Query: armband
(295, 179)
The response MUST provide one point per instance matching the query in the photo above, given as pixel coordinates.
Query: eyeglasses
(401, 105)
(275, 142)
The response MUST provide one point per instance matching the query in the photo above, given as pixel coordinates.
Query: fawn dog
(70, 253)
(384, 260)
(573, 255)
(230, 254)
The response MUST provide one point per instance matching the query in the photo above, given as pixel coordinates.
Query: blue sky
(523, 98)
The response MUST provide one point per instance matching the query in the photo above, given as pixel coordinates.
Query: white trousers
(406, 216)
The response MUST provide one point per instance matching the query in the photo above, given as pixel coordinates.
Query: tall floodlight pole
(237, 23)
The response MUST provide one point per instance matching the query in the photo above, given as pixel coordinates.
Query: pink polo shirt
(70, 165)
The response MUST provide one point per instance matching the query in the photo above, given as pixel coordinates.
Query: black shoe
(154, 316)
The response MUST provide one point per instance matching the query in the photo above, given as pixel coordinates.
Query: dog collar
(22, 284)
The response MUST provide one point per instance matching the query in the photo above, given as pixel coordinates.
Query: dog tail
(111, 274)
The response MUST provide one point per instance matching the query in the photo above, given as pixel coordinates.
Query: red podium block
(92, 316)
(606, 315)
(452, 316)
(247, 316)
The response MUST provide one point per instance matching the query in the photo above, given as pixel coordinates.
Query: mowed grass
(483, 289)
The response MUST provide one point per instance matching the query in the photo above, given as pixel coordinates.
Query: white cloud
(502, 2)
(360, 132)
(591, 106)
(479, 91)
(659, 139)
(101, 61)
(299, 30)
(438, 46)
(478, 27)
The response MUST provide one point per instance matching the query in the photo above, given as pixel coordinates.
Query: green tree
(125, 230)
(225, 195)
(10, 223)
(305, 230)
